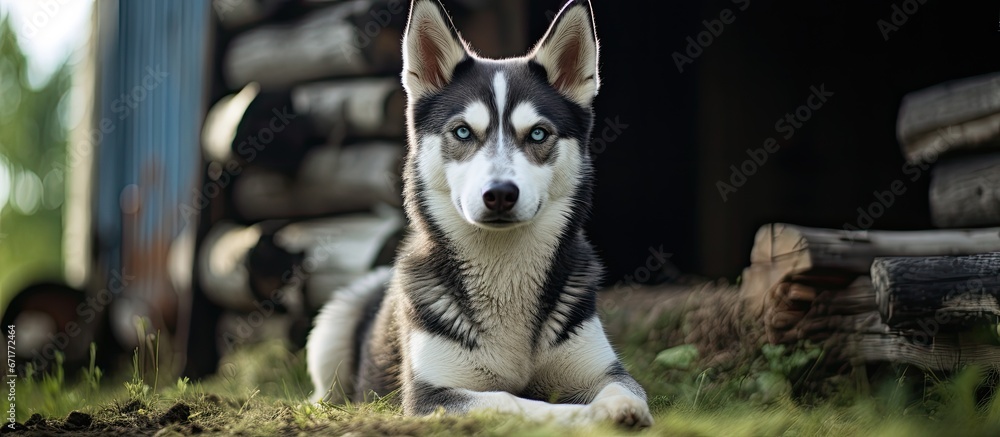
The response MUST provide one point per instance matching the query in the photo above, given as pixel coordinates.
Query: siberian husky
(491, 302)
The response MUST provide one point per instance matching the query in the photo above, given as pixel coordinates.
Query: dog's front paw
(622, 409)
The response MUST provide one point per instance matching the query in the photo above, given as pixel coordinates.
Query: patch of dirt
(35, 419)
(178, 413)
(78, 420)
(132, 407)
(124, 419)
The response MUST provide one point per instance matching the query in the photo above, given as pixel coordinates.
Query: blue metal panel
(152, 89)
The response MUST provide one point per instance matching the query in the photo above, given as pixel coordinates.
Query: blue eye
(463, 133)
(538, 134)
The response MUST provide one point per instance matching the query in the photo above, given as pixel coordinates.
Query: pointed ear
(431, 48)
(568, 51)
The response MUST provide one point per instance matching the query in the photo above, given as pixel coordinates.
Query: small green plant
(49, 390)
(136, 387)
(52, 384)
(182, 385)
(701, 384)
(788, 361)
(92, 374)
(139, 387)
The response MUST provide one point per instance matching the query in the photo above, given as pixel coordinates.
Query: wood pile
(856, 293)
(954, 128)
(926, 298)
(302, 153)
(310, 136)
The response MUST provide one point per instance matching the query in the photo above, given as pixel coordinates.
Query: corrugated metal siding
(155, 123)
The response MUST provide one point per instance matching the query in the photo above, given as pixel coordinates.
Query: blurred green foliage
(33, 139)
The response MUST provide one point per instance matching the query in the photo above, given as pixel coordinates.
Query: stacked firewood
(302, 155)
(955, 129)
(927, 298)
(303, 152)
(310, 143)
(865, 296)
(923, 298)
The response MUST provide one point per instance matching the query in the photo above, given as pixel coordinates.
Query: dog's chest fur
(490, 320)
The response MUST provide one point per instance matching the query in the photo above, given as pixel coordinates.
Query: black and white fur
(491, 302)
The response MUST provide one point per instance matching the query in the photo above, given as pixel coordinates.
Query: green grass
(261, 390)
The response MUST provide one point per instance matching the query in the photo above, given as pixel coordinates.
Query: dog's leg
(425, 398)
(435, 370)
(584, 368)
(614, 403)
(617, 403)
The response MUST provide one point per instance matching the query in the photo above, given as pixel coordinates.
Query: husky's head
(499, 144)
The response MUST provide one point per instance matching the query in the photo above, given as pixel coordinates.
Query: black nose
(500, 196)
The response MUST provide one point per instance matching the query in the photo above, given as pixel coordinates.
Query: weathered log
(832, 249)
(234, 14)
(341, 249)
(344, 39)
(938, 292)
(812, 284)
(961, 114)
(965, 192)
(797, 311)
(372, 107)
(838, 257)
(943, 352)
(332, 180)
(235, 261)
(980, 134)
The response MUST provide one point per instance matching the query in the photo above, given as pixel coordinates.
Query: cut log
(332, 180)
(832, 249)
(234, 14)
(838, 257)
(944, 352)
(980, 134)
(340, 40)
(937, 292)
(965, 192)
(797, 311)
(811, 286)
(354, 108)
(951, 116)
